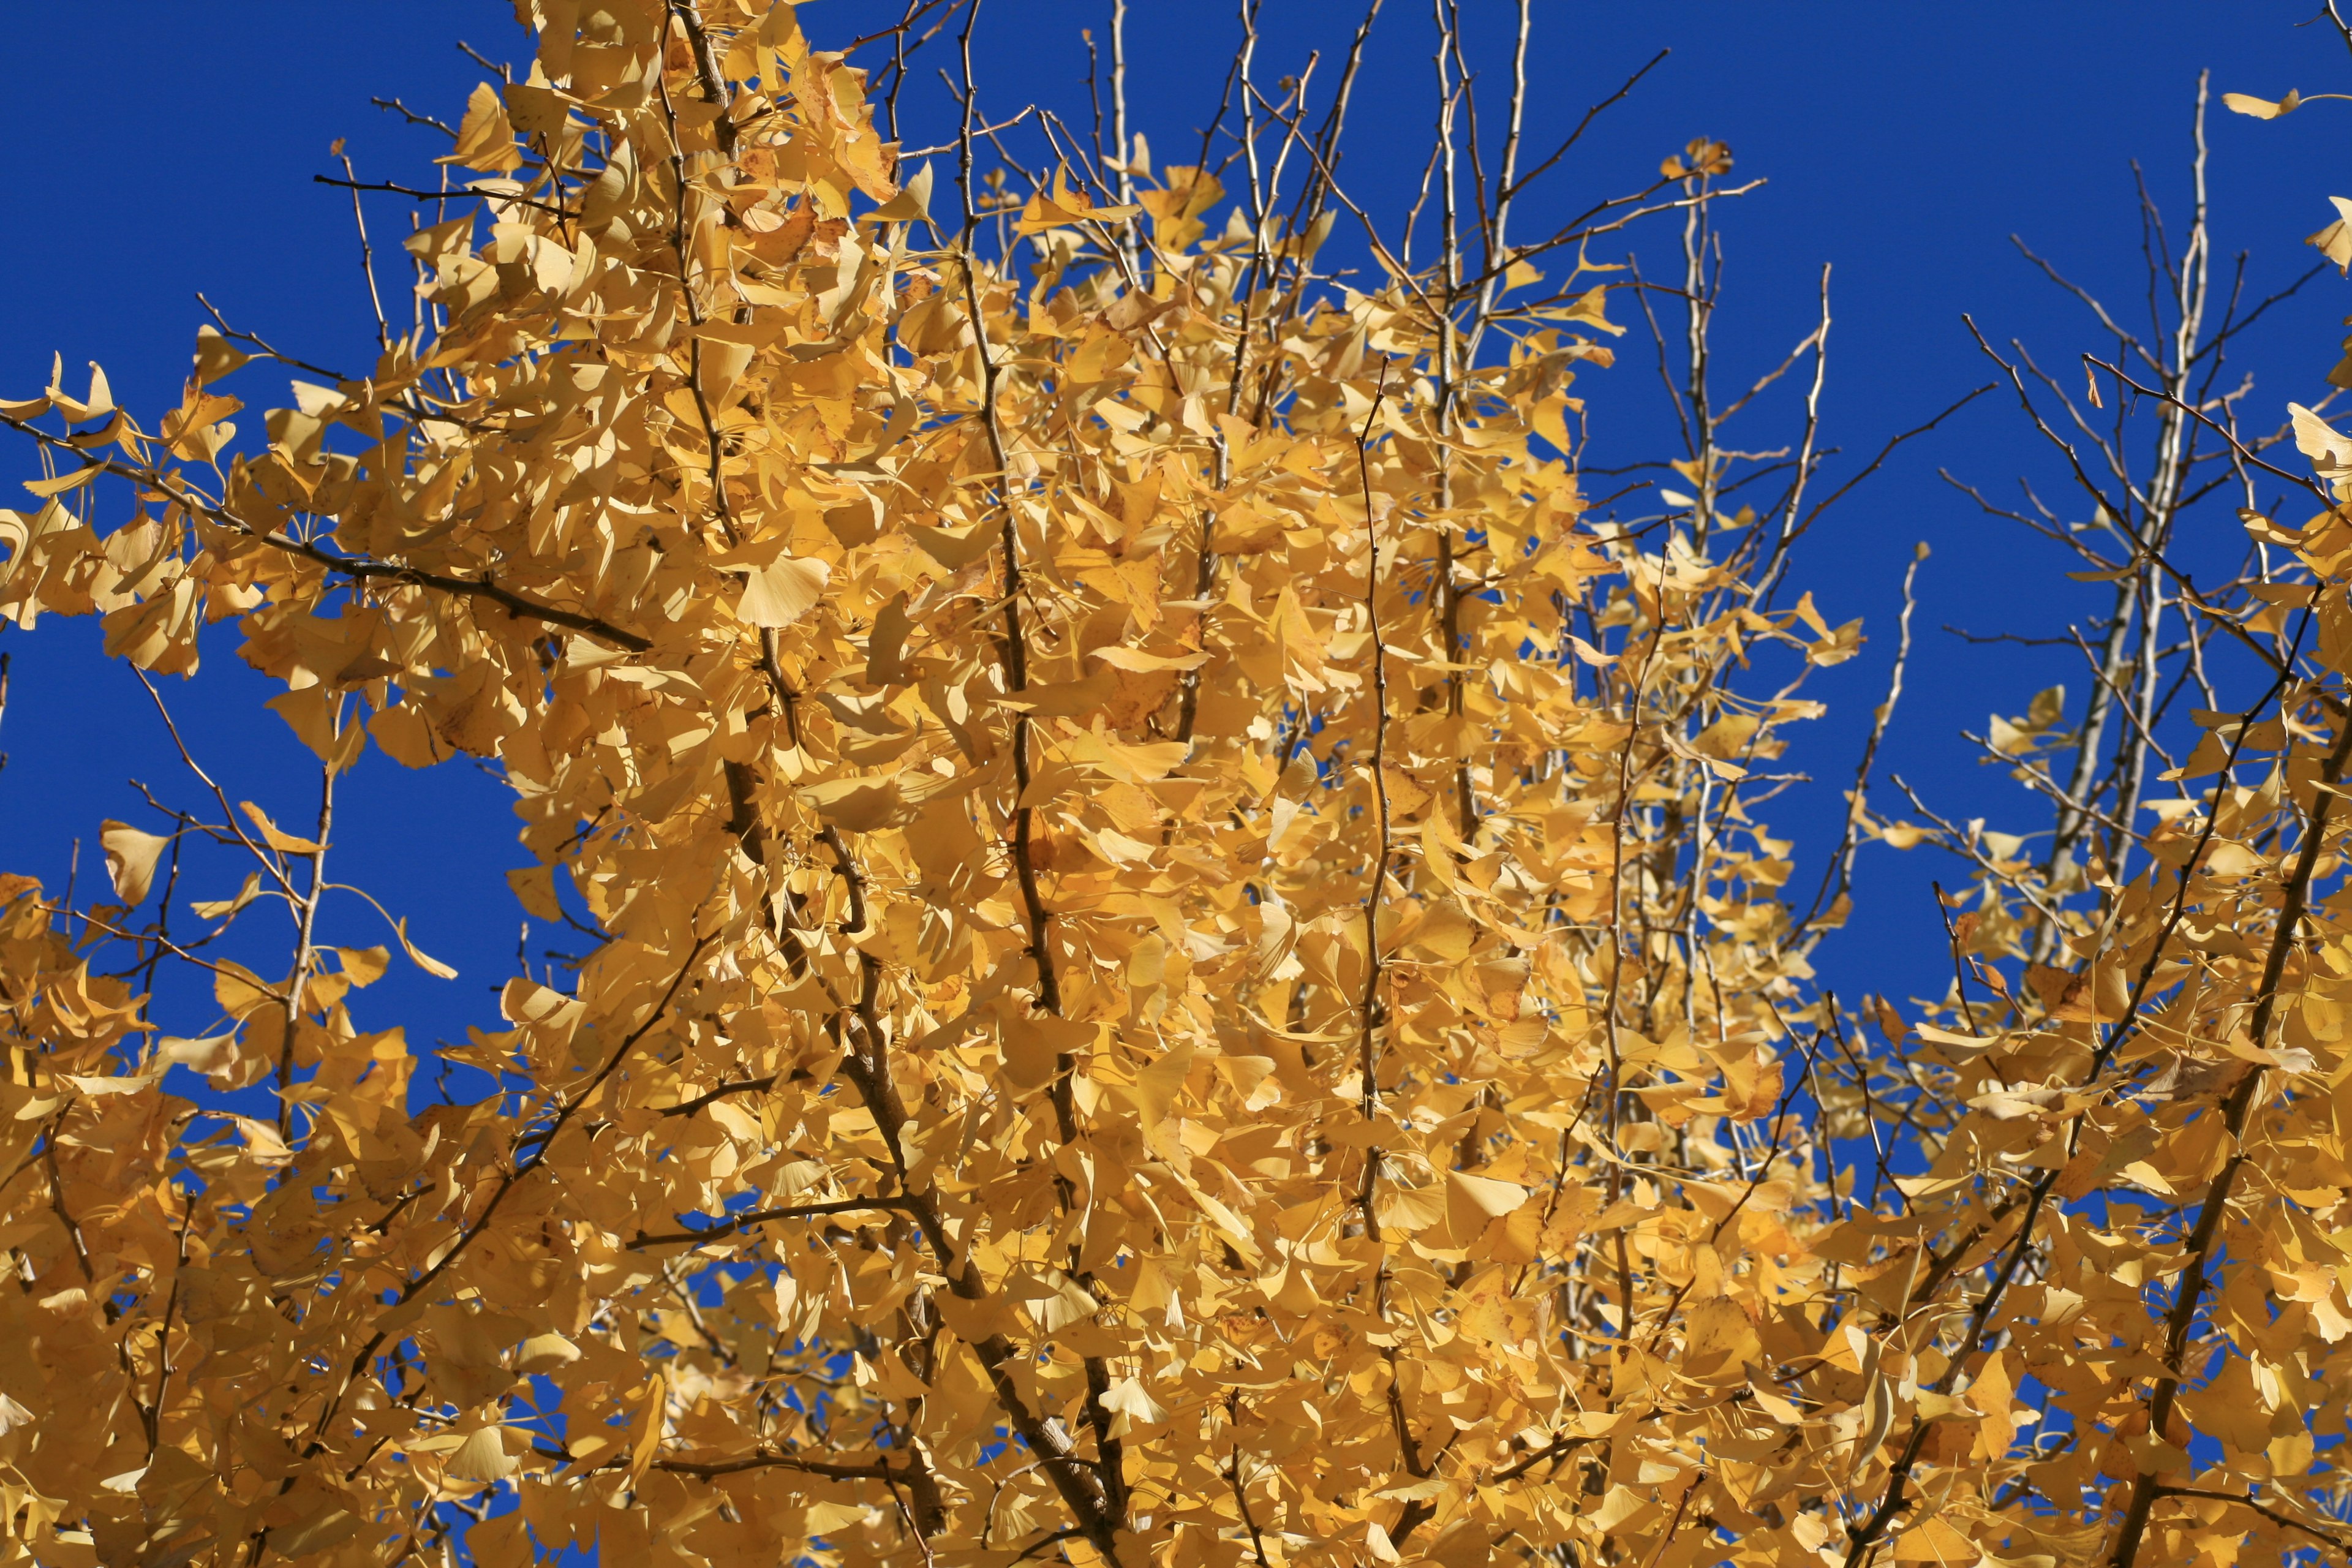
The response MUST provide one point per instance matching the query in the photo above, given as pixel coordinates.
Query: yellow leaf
(262, 1143)
(315, 715)
(486, 139)
(72, 479)
(779, 594)
(913, 202)
(1159, 1083)
(1119, 656)
(130, 856)
(865, 805)
(827, 1517)
(1472, 1201)
(1032, 1045)
(215, 357)
(534, 888)
(418, 956)
(2329, 451)
(545, 1352)
(1718, 1340)
(363, 965)
(1403, 1208)
(2335, 241)
(2261, 108)
(653, 1421)
(221, 909)
(482, 1456)
(239, 991)
(1130, 1399)
(1932, 1540)
(283, 842)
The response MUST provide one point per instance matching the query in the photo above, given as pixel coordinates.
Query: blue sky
(172, 151)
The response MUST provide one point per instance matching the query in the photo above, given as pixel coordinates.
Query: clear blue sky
(171, 149)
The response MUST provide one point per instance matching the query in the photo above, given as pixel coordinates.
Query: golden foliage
(1185, 974)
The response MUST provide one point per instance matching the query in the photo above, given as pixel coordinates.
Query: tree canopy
(1186, 965)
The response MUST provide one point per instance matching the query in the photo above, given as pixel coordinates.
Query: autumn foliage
(1183, 970)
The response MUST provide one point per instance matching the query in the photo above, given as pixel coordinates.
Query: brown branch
(306, 920)
(2234, 1112)
(743, 1222)
(396, 107)
(2288, 1522)
(1789, 539)
(1838, 874)
(1558, 1448)
(261, 345)
(1368, 1004)
(1102, 1509)
(568, 1107)
(58, 1207)
(361, 568)
(411, 191)
(741, 1086)
(708, 75)
(367, 253)
(2139, 993)
(2153, 557)
(1513, 187)
(709, 1469)
(267, 861)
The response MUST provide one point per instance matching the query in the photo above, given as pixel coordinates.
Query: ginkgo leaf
(272, 835)
(71, 479)
(1128, 1397)
(206, 1055)
(1934, 1539)
(1032, 1046)
(826, 1518)
(363, 965)
(98, 405)
(130, 856)
(1159, 1083)
(263, 1145)
(215, 356)
(221, 909)
(1120, 657)
(239, 991)
(1402, 1209)
(2330, 452)
(2261, 108)
(1066, 203)
(482, 1456)
(534, 888)
(913, 202)
(545, 1352)
(486, 140)
(2335, 241)
(416, 956)
(1718, 1340)
(652, 1421)
(1471, 1201)
(866, 805)
(781, 594)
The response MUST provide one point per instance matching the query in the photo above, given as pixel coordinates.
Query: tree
(1184, 969)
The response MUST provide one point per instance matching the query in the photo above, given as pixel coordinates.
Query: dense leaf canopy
(1182, 966)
